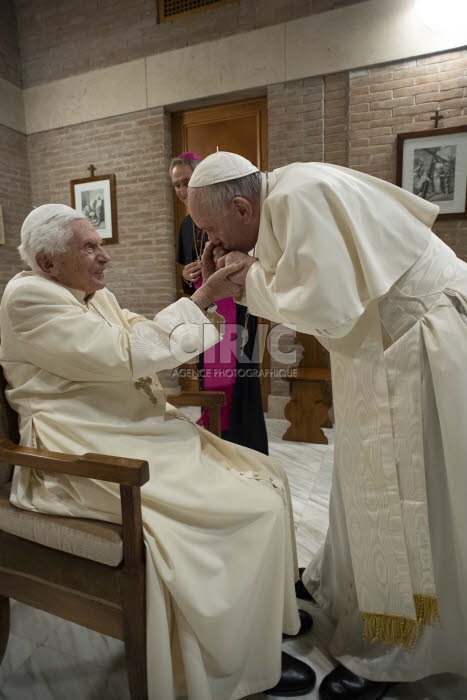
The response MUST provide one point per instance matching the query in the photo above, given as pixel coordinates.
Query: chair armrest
(119, 470)
(208, 399)
(130, 474)
(212, 400)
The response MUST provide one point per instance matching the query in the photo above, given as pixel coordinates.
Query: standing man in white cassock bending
(352, 260)
(218, 530)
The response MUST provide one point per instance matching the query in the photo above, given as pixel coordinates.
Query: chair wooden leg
(4, 624)
(134, 620)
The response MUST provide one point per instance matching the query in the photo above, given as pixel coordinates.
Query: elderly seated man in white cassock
(218, 525)
(352, 260)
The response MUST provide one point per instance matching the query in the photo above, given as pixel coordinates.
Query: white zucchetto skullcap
(220, 167)
(45, 213)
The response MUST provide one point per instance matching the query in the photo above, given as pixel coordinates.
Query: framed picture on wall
(2, 229)
(95, 197)
(433, 165)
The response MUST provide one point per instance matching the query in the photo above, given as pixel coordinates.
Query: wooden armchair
(86, 571)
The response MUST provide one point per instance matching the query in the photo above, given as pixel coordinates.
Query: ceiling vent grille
(171, 9)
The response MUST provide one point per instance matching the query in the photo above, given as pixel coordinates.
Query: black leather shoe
(297, 678)
(306, 623)
(300, 590)
(342, 684)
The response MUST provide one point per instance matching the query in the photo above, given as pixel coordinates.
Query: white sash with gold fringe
(379, 453)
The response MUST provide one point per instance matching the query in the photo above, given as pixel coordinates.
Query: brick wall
(401, 97)
(15, 194)
(308, 120)
(336, 119)
(10, 63)
(136, 148)
(59, 39)
(15, 198)
(295, 122)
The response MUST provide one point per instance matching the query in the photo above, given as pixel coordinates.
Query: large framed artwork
(433, 165)
(95, 197)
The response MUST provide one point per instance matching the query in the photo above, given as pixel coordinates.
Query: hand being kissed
(216, 258)
(225, 258)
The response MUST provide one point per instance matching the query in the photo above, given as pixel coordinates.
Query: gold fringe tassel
(394, 629)
(398, 630)
(426, 608)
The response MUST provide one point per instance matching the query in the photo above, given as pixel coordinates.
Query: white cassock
(217, 521)
(352, 260)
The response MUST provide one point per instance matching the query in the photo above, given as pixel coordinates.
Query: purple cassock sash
(220, 361)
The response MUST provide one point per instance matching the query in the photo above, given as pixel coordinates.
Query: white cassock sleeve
(63, 337)
(329, 245)
(177, 334)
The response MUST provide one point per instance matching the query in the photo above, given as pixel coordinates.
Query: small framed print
(433, 165)
(95, 197)
(2, 229)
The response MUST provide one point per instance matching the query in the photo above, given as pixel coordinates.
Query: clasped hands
(234, 264)
(224, 274)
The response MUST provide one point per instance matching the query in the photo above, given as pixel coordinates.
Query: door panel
(239, 127)
(235, 135)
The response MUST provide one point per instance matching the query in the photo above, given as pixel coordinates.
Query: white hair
(218, 196)
(50, 237)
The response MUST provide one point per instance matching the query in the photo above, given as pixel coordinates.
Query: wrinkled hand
(219, 252)
(211, 254)
(218, 286)
(192, 271)
(237, 257)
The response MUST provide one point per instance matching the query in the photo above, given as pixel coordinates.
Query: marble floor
(50, 659)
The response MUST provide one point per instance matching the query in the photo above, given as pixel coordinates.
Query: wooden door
(239, 127)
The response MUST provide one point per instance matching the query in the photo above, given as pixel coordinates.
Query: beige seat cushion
(92, 539)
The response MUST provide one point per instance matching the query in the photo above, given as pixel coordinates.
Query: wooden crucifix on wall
(437, 118)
